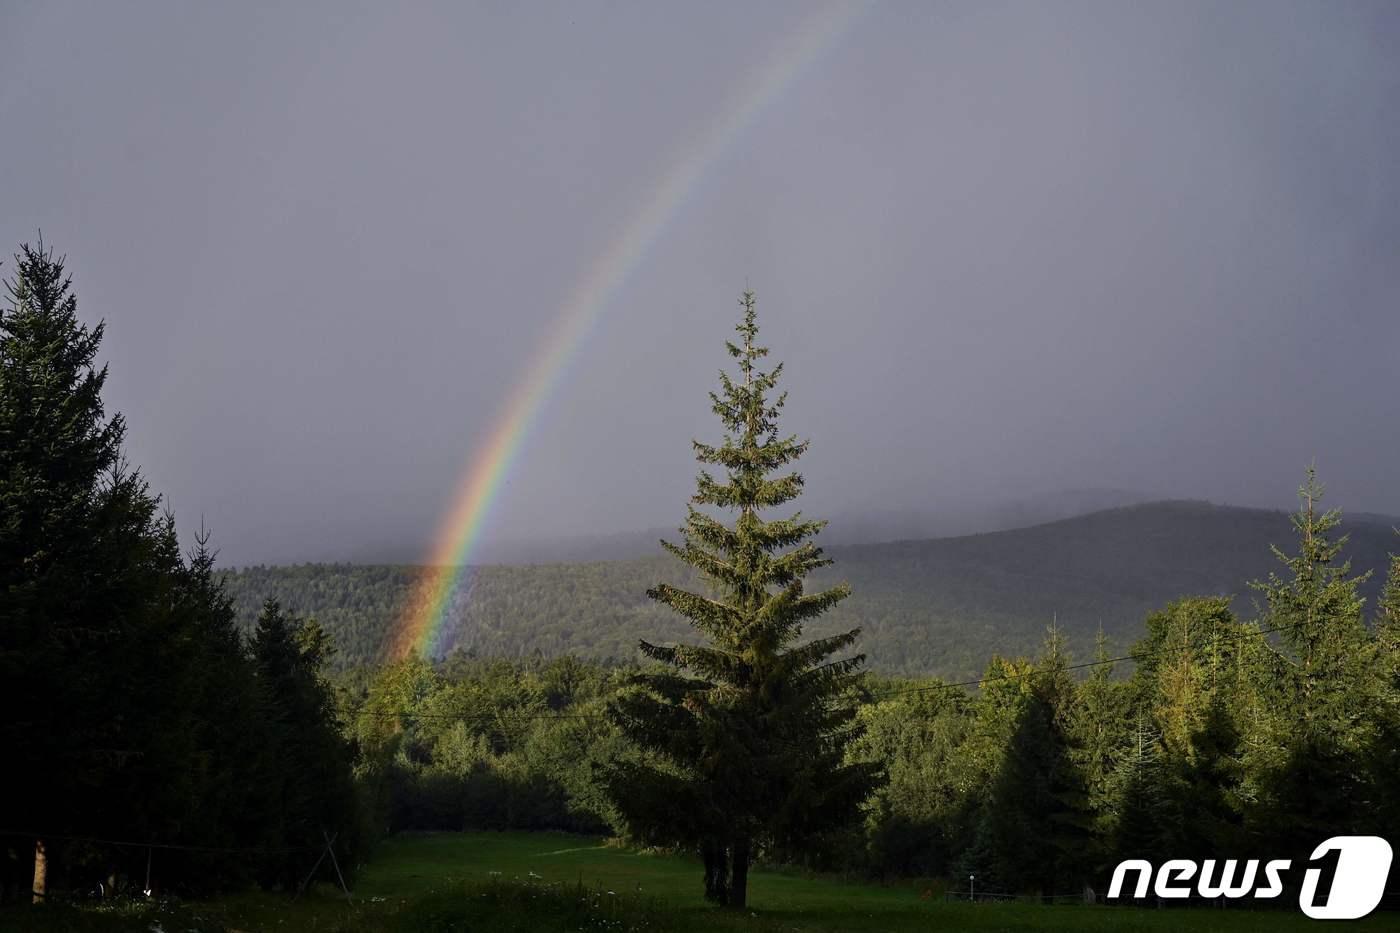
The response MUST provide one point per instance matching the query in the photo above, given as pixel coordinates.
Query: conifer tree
(1208, 809)
(1388, 621)
(230, 733)
(312, 796)
(65, 504)
(1140, 813)
(745, 734)
(1383, 756)
(132, 710)
(1099, 730)
(1317, 610)
(1037, 816)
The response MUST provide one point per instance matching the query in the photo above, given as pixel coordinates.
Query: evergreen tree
(1388, 622)
(1382, 759)
(1207, 811)
(230, 735)
(915, 823)
(997, 710)
(1037, 817)
(132, 710)
(1263, 700)
(70, 516)
(312, 796)
(997, 715)
(1099, 728)
(748, 732)
(1185, 687)
(1140, 814)
(1317, 610)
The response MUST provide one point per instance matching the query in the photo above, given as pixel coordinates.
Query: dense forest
(931, 607)
(1208, 736)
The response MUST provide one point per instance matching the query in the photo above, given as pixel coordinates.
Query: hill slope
(938, 605)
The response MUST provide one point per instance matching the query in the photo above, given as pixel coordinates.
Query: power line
(1077, 667)
(477, 717)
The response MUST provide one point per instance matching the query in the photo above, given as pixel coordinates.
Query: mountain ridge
(925, 605)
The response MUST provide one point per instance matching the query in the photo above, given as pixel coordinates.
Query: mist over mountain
(937, 605)
(845, 526)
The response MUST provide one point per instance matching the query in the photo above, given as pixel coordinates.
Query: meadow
(508, 882)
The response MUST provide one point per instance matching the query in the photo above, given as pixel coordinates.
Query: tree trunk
(41, 871)
(716, 872)
(739, 884)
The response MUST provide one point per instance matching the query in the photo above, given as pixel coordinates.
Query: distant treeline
(938, 606)
(1221, 738)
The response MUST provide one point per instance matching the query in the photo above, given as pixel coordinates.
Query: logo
(1355, 878)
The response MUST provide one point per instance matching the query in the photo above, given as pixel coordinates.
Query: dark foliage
(133, 709)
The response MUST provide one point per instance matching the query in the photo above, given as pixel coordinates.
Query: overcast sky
(1004, 249)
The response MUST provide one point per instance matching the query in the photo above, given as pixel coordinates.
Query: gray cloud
(1003, 248)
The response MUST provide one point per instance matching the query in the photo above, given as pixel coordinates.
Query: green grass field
(506, 882)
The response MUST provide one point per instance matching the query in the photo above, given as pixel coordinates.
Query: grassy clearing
(508, 882)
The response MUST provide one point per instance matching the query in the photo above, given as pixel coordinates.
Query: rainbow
(419, 627)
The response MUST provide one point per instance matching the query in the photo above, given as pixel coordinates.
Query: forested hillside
(939, 606)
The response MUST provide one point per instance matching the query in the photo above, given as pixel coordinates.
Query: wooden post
(41, 871)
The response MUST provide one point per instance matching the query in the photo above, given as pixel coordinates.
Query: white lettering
(1227, 875)
(1144, 870)
(1183, 869)
(1271, 871)
(1356, 888)
(1359, 883)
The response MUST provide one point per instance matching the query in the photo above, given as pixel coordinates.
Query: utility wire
(1087, 664)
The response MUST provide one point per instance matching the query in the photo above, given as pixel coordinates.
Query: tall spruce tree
(232, 737)
(65, 508)
(1139, 815)
(312, 795)
(1317, 610)
(745, 736)
(1099, 727)
(1037, 814)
